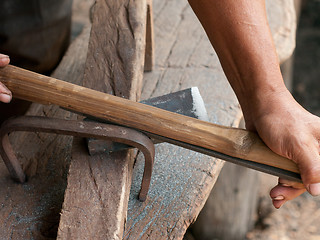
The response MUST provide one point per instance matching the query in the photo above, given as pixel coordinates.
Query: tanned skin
(240, 34)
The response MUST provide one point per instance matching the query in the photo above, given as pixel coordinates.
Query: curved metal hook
(80, 129)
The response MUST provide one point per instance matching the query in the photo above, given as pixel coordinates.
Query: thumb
(5, 94)
(309, 166)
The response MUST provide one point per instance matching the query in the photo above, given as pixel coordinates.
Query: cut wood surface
(96, 199)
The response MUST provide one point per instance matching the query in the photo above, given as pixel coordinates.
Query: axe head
(187, 102)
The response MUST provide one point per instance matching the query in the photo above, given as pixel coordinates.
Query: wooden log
(98, 189)
(234, 142)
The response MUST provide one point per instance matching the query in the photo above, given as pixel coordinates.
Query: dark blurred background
(306, 70)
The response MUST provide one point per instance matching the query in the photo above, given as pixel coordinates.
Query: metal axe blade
(187, 102)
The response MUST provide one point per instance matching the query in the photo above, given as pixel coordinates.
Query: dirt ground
(298, 219)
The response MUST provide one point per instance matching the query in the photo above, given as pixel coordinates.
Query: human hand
(244, 44)
(5, 94)
(294, 133)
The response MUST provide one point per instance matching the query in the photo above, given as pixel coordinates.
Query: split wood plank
(32, 210)
(95, 205)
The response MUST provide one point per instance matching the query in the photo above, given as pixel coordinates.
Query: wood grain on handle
(234, 142)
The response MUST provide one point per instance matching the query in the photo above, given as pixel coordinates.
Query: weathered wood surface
(31, 210)
(231, 209)
(182, 180)
(287, 65)
(149, 53)
(283, 23)
(116, 49)
(96, 198)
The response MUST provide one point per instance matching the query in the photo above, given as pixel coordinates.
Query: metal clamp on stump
(80, 129)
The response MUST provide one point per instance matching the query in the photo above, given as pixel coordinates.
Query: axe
(236, 145)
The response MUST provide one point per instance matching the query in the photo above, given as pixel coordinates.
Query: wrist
(264, 101)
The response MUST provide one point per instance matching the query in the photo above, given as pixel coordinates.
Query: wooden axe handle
(234, 142)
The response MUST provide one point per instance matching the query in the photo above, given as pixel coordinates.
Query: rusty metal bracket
(80, 129)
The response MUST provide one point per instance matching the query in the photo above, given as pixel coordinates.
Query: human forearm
(239, 32)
